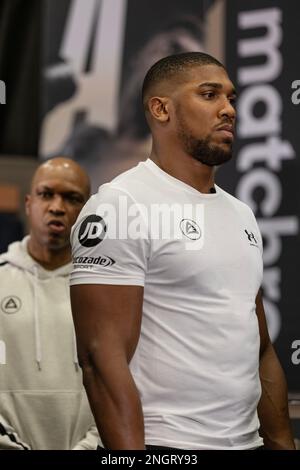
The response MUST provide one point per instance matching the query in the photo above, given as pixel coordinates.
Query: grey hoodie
(42, 401)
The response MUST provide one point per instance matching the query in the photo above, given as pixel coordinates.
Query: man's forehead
(208, 73)
(55, 182)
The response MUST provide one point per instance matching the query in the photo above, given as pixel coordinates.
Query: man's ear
(27, 203)
(159, 108)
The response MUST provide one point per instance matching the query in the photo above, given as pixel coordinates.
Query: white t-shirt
(199, 258)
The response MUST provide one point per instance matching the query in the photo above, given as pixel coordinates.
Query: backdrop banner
(92, 57)
(20, 74)
(96, 54)
(261, 37)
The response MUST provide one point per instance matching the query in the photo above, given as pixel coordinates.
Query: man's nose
(228, 110)
(57, 205)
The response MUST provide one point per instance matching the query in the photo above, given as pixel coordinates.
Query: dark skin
(273, 410)
(206, 99)
(107, 322)
(59, 189)
(108, 318)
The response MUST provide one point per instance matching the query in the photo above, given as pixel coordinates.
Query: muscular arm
(273, 406)
(107, 321)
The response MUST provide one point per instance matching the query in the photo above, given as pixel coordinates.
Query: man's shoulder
(4, 263)
(240, 205)
(136, 184)
(134, 173)
(7, 272)
(132, 187)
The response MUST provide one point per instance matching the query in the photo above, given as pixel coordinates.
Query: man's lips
(56, 226)
(227, 130)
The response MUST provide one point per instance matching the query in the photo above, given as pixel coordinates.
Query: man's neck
(47, 258)
(185, 168)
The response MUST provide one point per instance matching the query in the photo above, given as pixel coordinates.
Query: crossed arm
(273, 405)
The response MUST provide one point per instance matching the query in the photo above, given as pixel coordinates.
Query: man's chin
(215, 157)
(56, 243)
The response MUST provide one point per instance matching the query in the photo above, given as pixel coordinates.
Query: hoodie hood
(17, 255)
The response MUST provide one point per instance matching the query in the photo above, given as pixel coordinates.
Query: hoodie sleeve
(9, 439)
(90, 441)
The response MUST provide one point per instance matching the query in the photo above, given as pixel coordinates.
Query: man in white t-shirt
(166, 283)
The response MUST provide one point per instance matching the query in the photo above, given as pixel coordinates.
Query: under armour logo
(251, 237)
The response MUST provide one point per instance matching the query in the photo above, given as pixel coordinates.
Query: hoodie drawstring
(37, 333)
(75, 355)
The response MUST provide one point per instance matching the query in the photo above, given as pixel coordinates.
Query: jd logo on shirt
(190, 229)
(92, 231)
(11, 304)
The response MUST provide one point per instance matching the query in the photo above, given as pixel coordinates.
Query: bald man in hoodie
(42, 402)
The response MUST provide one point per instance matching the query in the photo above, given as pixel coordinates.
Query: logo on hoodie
(92, 231)
(11, 304)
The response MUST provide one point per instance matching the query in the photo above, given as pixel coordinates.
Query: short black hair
(170, 66)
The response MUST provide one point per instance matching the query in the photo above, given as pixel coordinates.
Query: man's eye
(74, 199)
(233, 101)
(209, 95)
(45, 194)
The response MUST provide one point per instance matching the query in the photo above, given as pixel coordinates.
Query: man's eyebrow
(218, 86)
(43, 187)
(67, 192)
(72, 192)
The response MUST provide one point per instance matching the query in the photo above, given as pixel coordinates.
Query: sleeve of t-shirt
(110, 240)
(256, 231)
